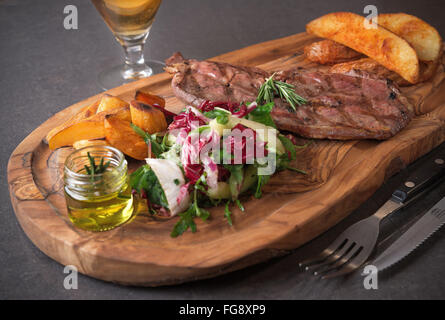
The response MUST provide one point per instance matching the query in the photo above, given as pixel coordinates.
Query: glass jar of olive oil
(97, 190)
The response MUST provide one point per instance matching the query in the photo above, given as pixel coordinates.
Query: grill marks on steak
(196, 81)
(343, 107)
(339, 106)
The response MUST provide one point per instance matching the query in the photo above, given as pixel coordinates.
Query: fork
(354, 246)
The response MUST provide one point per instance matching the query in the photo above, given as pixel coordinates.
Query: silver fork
(351, 248)
(354, 246)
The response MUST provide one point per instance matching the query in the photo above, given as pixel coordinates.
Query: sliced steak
(339, 106)
(343, 107)
(196, 81)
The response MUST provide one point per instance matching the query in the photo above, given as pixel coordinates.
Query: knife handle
(421, 178)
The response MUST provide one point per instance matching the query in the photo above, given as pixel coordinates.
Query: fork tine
(341, 263)
(343, 271)
(336, 245)
(332, 258)
(355, 262)
(336, 259)
(329, 256)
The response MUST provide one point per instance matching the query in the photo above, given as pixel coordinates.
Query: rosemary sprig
(272, 88)
(93, 169)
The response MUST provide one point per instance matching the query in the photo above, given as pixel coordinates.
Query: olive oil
(101, 201)
(100, 213)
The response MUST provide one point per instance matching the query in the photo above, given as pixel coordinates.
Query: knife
(423, 228)
(419, 181)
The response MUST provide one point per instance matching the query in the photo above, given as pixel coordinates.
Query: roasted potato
(119, 134)
(108, 103)
(84, 113)
(148, 118)
(149, 98)
(87, 143)
(329, 52)
(382, 45)
(86, 129)
(424, 38)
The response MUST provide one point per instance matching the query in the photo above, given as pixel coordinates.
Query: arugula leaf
(151, 140)
(262, 115)
(235, 179)
(289, 146)
(186, 221)
(283, 160)
(262, 180)
(296, 170)
(228, 213)
(239, 204)
(145, 179)
(221, 116)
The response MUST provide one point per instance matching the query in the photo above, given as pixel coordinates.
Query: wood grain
(294, 209)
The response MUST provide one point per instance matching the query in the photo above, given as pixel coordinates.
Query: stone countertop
(45, 68)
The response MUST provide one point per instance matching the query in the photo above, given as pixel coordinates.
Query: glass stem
(135, 66)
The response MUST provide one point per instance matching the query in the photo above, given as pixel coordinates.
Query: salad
(211, 155)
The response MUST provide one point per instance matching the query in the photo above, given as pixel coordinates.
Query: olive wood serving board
(295, 208)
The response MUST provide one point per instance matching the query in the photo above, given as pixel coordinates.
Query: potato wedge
(122, 113)
(420, 35)
(119, 134)
(379, 44)
(148, 118)
(108, 103)
(87, 143)
(84, 113)
(329, 52)
(90, 128)
(149, 98)
(86, 129)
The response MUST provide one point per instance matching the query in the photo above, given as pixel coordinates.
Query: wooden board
(295, 209)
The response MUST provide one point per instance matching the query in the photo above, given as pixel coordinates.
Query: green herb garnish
(228, 213)
(145, 180)
(187, 218)
(291, 155)
(151, 140)
(262, 115)
(221, 115)
(239, 204)
(93, 169)
(262, 180)
(272, 88)
(235, 179)
(186, 221)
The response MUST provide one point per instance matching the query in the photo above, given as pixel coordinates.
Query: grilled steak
(339, 106)
(196, 81)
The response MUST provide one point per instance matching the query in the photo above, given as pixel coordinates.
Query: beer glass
(130, 21)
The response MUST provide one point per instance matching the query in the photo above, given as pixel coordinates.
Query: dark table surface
(45, 68)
